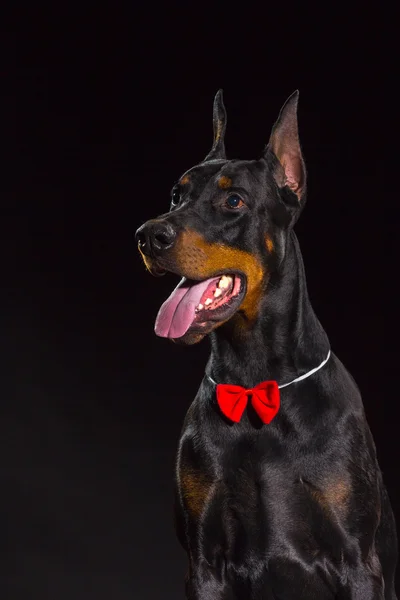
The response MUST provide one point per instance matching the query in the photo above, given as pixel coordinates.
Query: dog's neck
(287, 339)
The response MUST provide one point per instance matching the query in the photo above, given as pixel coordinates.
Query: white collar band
(297, 378)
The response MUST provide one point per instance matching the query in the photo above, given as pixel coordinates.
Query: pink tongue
(178, 312)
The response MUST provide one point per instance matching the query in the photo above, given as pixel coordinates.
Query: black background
(104, 108)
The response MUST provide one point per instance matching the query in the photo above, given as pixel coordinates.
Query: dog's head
(226, 230)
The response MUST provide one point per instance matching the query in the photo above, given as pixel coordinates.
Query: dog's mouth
(198, 306)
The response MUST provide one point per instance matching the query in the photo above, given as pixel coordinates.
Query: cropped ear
(219, 124)
(285, 145)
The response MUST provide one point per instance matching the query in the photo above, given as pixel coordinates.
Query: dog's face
(226, 230)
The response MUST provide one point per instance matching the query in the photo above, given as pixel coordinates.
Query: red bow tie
(232, 400)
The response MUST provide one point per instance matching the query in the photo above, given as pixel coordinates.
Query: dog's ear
(219, 124)
(284, 143)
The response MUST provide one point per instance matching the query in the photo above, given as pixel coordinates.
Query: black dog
(279, 494)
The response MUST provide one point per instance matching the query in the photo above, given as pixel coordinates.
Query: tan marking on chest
(337, 492)
(195, 490)
(334, 494)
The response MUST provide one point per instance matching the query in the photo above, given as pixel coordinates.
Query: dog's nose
(154, 237)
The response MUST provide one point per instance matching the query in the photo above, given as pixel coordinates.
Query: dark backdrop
(103, 109)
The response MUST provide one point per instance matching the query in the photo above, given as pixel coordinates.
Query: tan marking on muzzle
(199, 259)
(146, 261)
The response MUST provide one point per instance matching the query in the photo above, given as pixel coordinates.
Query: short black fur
(297, 509)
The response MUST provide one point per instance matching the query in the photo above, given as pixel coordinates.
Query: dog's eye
(234, 201)
(175, 196)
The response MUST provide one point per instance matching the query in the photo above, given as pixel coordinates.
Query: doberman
(279, 495)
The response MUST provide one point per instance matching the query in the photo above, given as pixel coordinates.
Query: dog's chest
(245, 500)
(239, 483)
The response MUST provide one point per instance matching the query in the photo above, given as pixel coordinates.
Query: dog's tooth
(224, 282)
(208, 301)
(217, 292)
(200, 307)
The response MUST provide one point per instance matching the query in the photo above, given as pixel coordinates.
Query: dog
(279, 495)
